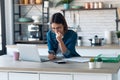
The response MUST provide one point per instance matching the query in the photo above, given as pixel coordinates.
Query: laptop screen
(28, 52)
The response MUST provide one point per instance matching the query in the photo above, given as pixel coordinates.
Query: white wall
(9, 21)
(91, 22)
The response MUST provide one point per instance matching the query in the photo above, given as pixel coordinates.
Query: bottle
(79, 41)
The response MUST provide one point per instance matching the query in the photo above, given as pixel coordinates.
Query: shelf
(19, 27)
(28, 23)
(32, 42)
(27, 4)
(88, 9)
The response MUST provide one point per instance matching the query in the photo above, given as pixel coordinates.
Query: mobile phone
(60, 62)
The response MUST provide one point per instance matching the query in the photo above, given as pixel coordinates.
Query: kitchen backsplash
(94, 22)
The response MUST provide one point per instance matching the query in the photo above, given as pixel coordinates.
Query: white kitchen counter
(82, 50)
(52, 71)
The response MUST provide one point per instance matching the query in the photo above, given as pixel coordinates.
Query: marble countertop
(8, 64)
(112, 46)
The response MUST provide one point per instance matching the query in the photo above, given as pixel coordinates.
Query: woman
(61, 41)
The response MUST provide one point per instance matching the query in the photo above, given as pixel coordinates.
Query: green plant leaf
(92, 59)
(63, 1)
(118, 34)
(99, 59)
(59, 3)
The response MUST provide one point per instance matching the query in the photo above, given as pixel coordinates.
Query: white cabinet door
(55, 77)
(3, 76)
(92, 77)
(23, 76)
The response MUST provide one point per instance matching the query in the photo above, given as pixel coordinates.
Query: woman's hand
(59, 36)
(51, 56)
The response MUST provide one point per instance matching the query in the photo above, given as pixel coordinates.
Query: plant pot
(91, 65)
(66, 6)
(118, 41)
(99, 64)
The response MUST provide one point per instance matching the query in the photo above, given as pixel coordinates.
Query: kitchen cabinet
(27, 30)
(3, 76)
(55, 76)
(92, 77)
(23, 76)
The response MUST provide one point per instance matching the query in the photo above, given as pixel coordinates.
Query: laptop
(29, 52)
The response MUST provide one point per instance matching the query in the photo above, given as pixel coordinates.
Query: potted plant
(118, 36)
(65, 3)
(91, 63)
(99, 62)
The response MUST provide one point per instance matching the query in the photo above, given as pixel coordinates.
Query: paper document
(77, 59)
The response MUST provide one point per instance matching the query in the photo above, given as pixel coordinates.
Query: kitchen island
(24, 70)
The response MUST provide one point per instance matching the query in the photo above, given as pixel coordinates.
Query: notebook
(29, 52)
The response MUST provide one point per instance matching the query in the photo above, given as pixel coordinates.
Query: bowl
(25, 19)
(76, 7)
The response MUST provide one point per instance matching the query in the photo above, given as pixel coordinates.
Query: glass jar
(91, 5)
(38, 1)
(32, 1)
(21, 1)
(95, 5)
(87, 5)
(100, 4)
(26, 2)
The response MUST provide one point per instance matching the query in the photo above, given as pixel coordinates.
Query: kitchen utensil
(36, 19)
(96, 41)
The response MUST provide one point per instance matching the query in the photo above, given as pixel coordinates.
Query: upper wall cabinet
(30, 20)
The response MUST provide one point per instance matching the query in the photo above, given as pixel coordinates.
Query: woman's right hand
(51, 56)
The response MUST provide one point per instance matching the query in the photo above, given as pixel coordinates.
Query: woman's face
(57, 28)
